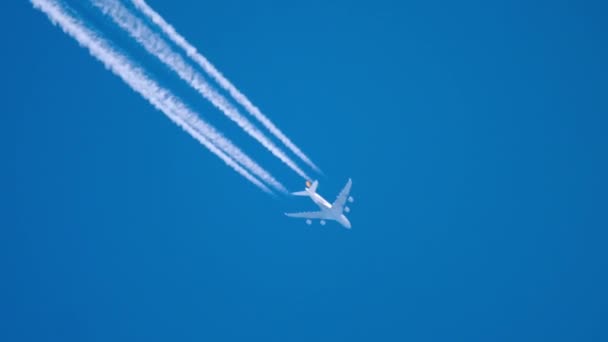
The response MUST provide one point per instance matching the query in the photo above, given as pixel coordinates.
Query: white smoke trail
(158, 47)
(160, 98)
(220, 79)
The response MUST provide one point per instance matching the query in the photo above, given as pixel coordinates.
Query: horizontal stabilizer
(311, 188)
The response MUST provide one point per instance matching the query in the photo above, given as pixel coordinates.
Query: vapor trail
(160, 98)
(157, 46)
(220, 79)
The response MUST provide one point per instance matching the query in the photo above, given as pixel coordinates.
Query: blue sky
(474, 133)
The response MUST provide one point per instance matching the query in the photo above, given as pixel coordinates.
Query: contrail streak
(158, 47)
(219, 78)
(160, 98)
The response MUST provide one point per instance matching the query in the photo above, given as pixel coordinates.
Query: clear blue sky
(475, 134)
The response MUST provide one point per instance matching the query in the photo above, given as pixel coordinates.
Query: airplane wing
(342, 197)
(308, 215)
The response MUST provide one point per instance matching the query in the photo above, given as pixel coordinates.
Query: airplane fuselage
(320, 201)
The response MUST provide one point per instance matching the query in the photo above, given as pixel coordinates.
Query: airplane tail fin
(310, 189)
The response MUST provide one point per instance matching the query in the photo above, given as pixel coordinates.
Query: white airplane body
(329, 211)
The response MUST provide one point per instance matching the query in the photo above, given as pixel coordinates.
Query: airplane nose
(346, 223)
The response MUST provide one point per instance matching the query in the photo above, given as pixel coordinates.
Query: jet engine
(351, 199)
(322, 222)
(347, 209)
(308, 222)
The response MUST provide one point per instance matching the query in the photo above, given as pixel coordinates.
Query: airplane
(329, 211)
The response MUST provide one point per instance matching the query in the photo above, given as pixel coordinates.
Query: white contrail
(158, 47)
(219, 78)
(160, 98)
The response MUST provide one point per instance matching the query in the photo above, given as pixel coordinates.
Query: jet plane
(329, 211)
